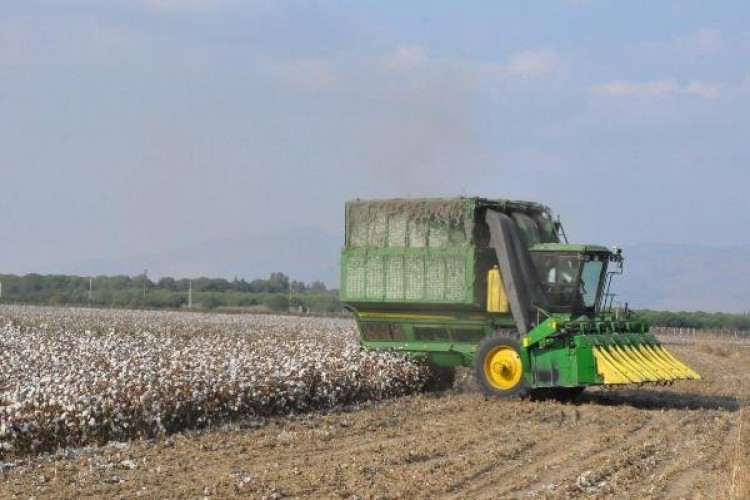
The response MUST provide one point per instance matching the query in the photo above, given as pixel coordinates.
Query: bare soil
(688, 440)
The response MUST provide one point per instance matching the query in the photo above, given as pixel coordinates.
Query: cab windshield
(571, 282)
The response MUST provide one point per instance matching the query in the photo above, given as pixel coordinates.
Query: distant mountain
(686, 278)
(304, 254)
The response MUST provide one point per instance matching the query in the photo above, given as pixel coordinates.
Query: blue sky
(135, 127)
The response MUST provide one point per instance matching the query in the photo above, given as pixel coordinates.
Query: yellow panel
(662, 373)
(634, 363)
(397, 316)
(659, 354)
(622, 366)
(657, 361)
(607, 370)
(691, 373)
(665, 361)
(497, 299)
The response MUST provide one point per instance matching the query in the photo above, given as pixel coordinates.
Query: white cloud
(656, 88)
(405, 67)
(533, 63)
(708, 91)
(525, 63)
(406, 57)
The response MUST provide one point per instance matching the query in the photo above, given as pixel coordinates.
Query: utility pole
(91, 287)
(190, 294)
(290, 295)
(145, 277)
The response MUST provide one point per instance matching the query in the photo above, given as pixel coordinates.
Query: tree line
(698, 320)
(140, 291)
(272, 294)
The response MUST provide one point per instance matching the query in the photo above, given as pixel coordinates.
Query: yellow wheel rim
(503, 367)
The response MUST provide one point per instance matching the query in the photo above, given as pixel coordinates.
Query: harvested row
(70, 377)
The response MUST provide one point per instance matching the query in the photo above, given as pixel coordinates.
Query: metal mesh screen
(428, 250)
(394, 289)
(355, 276)
(435, 272)
(408, 251)
(455, 271)
(414, 277)
(375, 279)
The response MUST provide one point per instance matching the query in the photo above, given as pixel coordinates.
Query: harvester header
(492, 283)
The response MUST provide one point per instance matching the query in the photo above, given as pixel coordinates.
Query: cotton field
(70, 377)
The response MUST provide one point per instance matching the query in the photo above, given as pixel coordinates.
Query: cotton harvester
(489, 284)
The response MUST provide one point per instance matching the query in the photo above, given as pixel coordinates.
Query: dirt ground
(689, 440)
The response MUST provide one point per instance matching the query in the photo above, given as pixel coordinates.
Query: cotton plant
(73, 377)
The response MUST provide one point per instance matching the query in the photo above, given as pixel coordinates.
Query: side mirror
(616, 255)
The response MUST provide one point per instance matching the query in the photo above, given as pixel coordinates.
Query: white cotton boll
(148, 368)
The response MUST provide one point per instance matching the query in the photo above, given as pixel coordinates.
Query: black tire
(441, 377)
(498, 368)
(510, 333)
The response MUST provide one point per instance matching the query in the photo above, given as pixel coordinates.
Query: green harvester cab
(489, 284)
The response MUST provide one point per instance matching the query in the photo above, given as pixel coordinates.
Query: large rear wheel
(498, 367)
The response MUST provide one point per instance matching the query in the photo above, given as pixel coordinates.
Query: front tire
(498, 367)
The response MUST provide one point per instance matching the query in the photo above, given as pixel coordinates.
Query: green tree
(278, 283)
(276, 302)
(211, 301)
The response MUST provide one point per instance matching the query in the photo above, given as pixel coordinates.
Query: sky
(131, 127)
